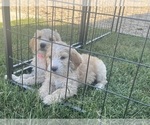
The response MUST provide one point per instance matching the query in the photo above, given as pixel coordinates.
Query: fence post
(83, 22)
(120, 15)
(87, 25)
(7, 37)
(114, 16)
(85, 18)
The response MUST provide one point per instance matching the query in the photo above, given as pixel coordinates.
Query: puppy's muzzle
(54, 68)
(42, 45)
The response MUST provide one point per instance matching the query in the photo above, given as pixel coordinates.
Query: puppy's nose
(54, 68)
(42, 45)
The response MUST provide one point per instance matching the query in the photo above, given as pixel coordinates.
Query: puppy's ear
(75, 57)
(33, 41)
(32, 44)
(38, 33)
(57, 35)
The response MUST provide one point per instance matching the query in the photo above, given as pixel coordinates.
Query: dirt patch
(135, 21)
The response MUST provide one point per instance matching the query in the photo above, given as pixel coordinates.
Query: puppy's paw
(42, 93)
(49, 99)
(5, 77)
(100, 86)
(14, 77)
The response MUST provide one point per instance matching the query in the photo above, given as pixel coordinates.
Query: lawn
(18, 103)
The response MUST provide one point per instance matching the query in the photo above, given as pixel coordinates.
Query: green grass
(17, 103)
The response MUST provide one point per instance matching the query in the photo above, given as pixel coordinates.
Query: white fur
(38, 63)
(53, 89)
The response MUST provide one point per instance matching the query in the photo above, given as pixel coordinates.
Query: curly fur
(39, 45)
(66, 70)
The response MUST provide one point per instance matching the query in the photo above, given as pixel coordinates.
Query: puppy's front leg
(58, 95)
(44, 90)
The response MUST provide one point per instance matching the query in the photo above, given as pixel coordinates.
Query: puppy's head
(42, 39)
(60, 57)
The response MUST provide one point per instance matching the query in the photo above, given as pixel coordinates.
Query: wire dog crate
(113, 31)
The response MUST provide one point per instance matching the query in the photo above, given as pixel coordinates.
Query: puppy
(39, 45)
(62, 63)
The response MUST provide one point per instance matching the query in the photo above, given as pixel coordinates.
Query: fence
(115, 32)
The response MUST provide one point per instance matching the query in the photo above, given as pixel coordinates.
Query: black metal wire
(90, 50)
(7, 37)
(87, 25)
(83, 22)
(96, 53)
(105, 90)
(20, 38)
(17, 28)
(36, 27)
(136, 73)
(28, 23)
(71, 39)
(114, 15)
(83, 38)
(50, 75)
(112, 63)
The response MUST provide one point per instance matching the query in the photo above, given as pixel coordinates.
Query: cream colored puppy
(92, 69)
(61, 64)
(39, 45)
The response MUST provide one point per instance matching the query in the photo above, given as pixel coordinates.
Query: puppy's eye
(62, 57)
(51, 39)
(39, 37)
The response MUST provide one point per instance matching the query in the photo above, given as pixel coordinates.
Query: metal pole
(87, 25)
(7, 37)
(83, 22)
(114, 16)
